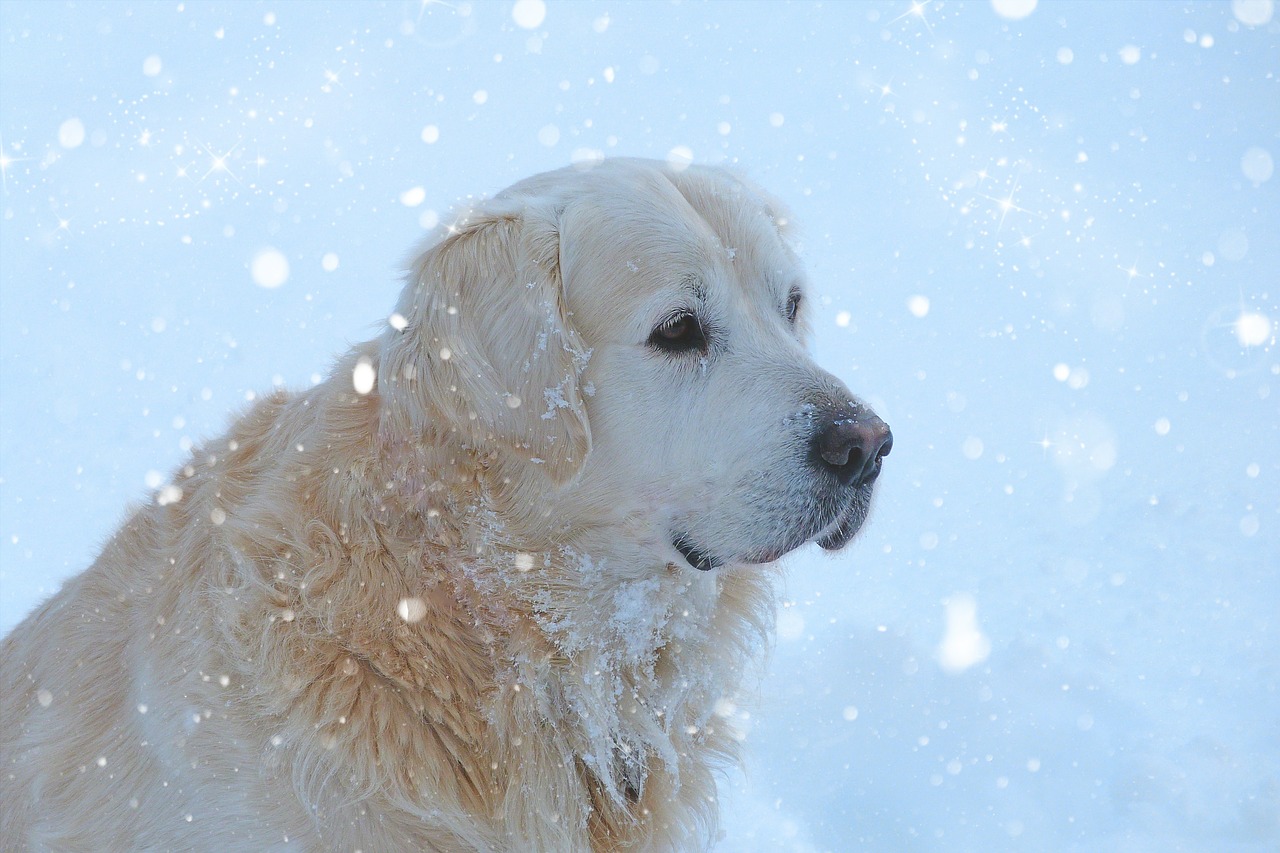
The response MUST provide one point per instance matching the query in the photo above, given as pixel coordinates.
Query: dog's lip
(832, 536)
(843, 527)
(695, 556)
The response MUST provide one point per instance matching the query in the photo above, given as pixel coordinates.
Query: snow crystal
(170, 494)
(413, 196)
(680, 157)
(850, 713)
(529, 14)
(1065, 55)
(71, 133)
(44, 697)
(555, 399)
(151, 66)
(153, 479)
(549, 135)
(397, 322)
(776, 119)
(1253, 13)
(329, 262)
(1130, 54)
(585, 158)
(412, 609)
(972, 447)
(1014, 10)
(513, 401)
(430, 134)
(843, 318)
(1249, 525)
(918, 305)
(269, 268)
(964, 644)
(524, 562)
(1257, 165)
(218, 516)
(1162, 426)
(638, 614)
(480, 96)
(1077, 378)
(363, 376)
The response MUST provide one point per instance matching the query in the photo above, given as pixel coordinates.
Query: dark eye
(680, 333)
(793, 306)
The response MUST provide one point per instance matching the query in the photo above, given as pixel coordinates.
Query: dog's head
(627, 340)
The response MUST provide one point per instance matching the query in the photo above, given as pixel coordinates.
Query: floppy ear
(486, 347)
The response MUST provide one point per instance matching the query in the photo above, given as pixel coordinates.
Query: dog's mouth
(843, 529)
(695, 556)
(831, 534)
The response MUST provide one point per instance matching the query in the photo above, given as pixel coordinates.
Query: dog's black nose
(851, 447)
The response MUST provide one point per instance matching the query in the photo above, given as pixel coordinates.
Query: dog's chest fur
(453, 671)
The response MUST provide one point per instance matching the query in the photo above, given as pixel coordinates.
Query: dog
(486, 587)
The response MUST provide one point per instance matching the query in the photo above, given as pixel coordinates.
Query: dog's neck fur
(592, 641)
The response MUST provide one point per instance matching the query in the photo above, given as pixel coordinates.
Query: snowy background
(1045, 243)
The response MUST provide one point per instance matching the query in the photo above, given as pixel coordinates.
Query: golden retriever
(485, 587)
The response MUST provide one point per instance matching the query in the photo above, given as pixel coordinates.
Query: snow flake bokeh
(1043, 241)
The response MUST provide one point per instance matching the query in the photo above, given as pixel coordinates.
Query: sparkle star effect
(1131, 270)
(5, 162)
(218, 162)
(331, 80)
(916, 11)
(64, 224)
(1006, 204)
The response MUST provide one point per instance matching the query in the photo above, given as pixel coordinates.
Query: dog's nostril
(887, 445)
(852, 448)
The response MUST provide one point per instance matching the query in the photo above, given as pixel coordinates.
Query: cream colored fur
(447, 614)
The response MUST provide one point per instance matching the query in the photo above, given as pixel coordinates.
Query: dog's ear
(483, 344)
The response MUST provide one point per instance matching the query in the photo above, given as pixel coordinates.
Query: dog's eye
(680, 333)
(793, 306)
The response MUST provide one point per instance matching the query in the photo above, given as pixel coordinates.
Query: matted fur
(448, 614)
